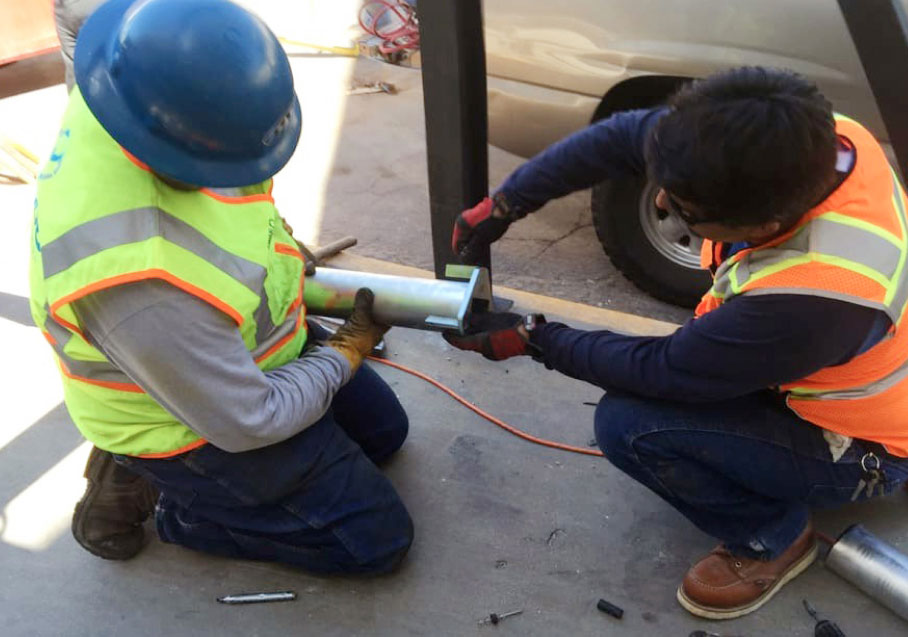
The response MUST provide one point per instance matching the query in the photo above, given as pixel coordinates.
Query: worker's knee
(388, 434)
(398, 427)
(617, 420)
(395, 557)
(388, 550)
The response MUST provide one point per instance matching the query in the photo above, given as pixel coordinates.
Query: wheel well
(644, 91)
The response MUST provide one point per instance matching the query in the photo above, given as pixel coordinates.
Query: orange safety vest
(851, 247)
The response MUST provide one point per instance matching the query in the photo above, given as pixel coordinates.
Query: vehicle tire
(651, 247)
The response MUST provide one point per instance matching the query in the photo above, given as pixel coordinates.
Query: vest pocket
(283, 280)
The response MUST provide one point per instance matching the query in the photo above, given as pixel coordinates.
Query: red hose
(510, 429)
(401, 38)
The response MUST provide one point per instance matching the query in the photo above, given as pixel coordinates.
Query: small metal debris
(495, 618)
(824, 627)
(501, 563)
(258, 598)
(375, 87)
(610, 609)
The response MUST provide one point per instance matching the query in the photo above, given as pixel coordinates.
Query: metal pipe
(425, 304)
(872, 565)
(326, 251)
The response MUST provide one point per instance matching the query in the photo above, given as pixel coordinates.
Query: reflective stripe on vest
(133, 226)
(100, 372)
(833, 239)
(852, 247)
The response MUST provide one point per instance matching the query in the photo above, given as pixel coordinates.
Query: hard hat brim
(107, 104)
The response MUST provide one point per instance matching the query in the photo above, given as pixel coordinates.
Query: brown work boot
(722, 586)
(108, 519)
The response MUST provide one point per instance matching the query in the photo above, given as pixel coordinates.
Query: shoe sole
(731, 613)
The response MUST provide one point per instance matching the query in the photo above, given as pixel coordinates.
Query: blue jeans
(746, 471)
(316, 500)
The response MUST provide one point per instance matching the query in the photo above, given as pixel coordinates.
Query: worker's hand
(308, 258)
(477, 228)
(356, 338)
(495, 335)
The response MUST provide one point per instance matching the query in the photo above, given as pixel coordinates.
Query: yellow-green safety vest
(103, 219)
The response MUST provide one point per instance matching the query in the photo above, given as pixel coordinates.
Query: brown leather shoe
(722, 586)
(108, 519)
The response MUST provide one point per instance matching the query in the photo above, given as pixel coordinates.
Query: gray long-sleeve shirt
(191, 359)
(69, 16)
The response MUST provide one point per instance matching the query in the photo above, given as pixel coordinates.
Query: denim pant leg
(367, 409)
(745, 471)
(314, 500)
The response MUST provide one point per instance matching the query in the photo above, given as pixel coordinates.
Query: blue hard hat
(200, 90)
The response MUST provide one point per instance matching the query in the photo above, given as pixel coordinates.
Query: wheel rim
(667, 233)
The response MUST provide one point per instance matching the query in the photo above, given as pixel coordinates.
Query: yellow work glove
(356, 338)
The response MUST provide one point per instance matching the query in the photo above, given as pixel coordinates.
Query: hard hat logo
(201, 91)
(278, 129)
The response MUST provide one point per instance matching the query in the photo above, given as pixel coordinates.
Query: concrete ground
(501, 524)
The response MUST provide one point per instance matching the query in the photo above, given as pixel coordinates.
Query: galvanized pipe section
(872, 565)
(424, 304)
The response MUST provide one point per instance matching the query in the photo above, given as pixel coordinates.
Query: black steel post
(879, 29)
(454, 94)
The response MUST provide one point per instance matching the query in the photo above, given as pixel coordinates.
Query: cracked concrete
(553, 242)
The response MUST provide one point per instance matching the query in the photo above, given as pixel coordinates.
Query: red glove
(496, 336)
(476, 228)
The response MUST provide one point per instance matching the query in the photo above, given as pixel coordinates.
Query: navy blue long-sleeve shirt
(747, 344)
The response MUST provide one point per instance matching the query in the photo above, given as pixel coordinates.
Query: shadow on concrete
(15, 308)
(37, 449)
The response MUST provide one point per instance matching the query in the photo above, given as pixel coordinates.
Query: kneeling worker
(789, 390)
(171, 292)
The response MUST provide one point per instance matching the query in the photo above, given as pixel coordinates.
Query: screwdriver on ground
(495, 618)
(824, 627)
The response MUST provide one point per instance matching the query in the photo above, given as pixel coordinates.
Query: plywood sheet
(26, 29)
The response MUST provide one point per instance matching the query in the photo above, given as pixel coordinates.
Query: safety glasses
(686, 216)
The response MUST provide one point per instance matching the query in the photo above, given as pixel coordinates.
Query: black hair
(746, 146)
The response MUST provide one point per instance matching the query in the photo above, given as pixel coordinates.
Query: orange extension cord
(517, 432)
(463, 401)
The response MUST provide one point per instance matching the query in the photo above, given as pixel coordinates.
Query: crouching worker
(171, 293)
(790, 388)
